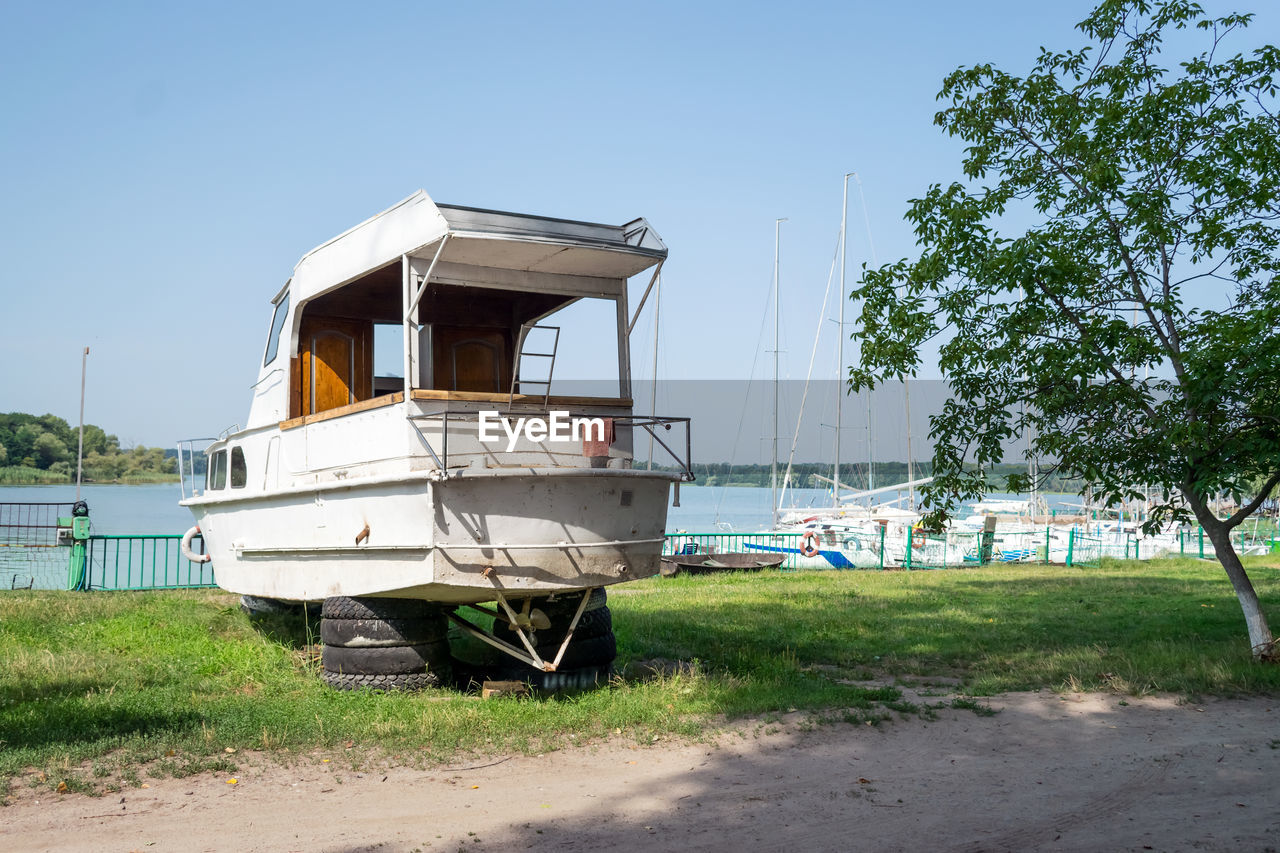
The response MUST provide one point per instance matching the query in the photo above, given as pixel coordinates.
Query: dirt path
(1078, 772)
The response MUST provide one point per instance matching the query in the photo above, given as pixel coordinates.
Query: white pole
(410, 327)
(84, 365)
(911, 489)
(866, 217)
(653, 404)
(844, 246)
(777, 286)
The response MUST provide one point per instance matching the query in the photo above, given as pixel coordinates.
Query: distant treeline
(42, 449)
(853, 475)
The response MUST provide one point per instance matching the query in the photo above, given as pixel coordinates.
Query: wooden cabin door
(336, 363)
(469, 359)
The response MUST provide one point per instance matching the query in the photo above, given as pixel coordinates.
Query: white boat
(469, 477)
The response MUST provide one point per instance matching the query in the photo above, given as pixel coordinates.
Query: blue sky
(164, 166)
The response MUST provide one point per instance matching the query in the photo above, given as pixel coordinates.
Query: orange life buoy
(809, 543)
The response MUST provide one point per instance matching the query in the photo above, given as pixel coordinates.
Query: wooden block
(503, 688)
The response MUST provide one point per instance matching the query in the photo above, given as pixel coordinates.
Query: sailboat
(847, 534)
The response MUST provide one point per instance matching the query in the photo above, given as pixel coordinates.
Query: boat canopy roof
(484, 238)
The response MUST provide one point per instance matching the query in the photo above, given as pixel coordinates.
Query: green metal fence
(764, 544)
(142, 562)
(1084, 550)
(853, 549)
(912, 549)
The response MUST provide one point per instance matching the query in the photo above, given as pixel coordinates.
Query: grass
(99, 690)
(19, 475)
(1168, 625)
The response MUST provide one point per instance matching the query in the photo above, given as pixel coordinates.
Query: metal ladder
(521, 355)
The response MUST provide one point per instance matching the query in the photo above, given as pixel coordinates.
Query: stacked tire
(587, 662)
(383, 644)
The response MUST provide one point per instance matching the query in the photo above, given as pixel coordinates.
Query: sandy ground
(1049, 772)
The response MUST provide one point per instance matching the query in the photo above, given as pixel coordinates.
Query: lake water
(115, 510)
(153, 509)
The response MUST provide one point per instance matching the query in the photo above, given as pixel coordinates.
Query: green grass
(19, 475)
(100, 690)
(1165, 625)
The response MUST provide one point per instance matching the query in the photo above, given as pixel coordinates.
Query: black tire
(391, 660)
(469, 676)
(342, 607)
(404, 681)
(567, 604)
(594, 651)
(582, 678)
(370, 633)
(594, 623)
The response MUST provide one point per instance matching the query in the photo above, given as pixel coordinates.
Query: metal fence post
(882, 546)
(910, 536)
(1071, 545)
(1202, 543)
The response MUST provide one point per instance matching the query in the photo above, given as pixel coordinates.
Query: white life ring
(185, 547)
(809, 543)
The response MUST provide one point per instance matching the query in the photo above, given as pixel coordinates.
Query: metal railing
(34, 543)
(143, 562)
(906, 548)
(763, 544)
(651, 425)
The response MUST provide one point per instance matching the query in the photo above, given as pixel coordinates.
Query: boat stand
(526, 620)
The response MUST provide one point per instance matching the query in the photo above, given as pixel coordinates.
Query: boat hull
(458, 540)
(701, 564)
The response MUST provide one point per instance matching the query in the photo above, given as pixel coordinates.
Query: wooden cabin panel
(471, 359)
(336, 363)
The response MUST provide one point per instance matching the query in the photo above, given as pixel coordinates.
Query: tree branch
(1249, 509)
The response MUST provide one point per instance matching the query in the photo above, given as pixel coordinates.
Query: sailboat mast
(844, 246)
(777, 283)
(866, 217)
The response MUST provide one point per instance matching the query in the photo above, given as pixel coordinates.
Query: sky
(164, 166)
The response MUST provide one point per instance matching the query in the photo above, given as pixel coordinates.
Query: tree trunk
(1260, 640)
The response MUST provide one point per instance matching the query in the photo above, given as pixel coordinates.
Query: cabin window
(277, 324)
(474, 342)
(586, 351)
(218, 471)
(239, 472)
(388, 359)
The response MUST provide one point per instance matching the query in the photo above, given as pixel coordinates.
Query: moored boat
(409, 435)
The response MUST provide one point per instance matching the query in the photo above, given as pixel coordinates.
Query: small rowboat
(698, 564)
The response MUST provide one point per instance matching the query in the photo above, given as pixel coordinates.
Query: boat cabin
(485, 310)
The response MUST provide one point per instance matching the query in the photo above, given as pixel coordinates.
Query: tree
(24, 439)
(97, 441)
(1107, 199)
(48, 449)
